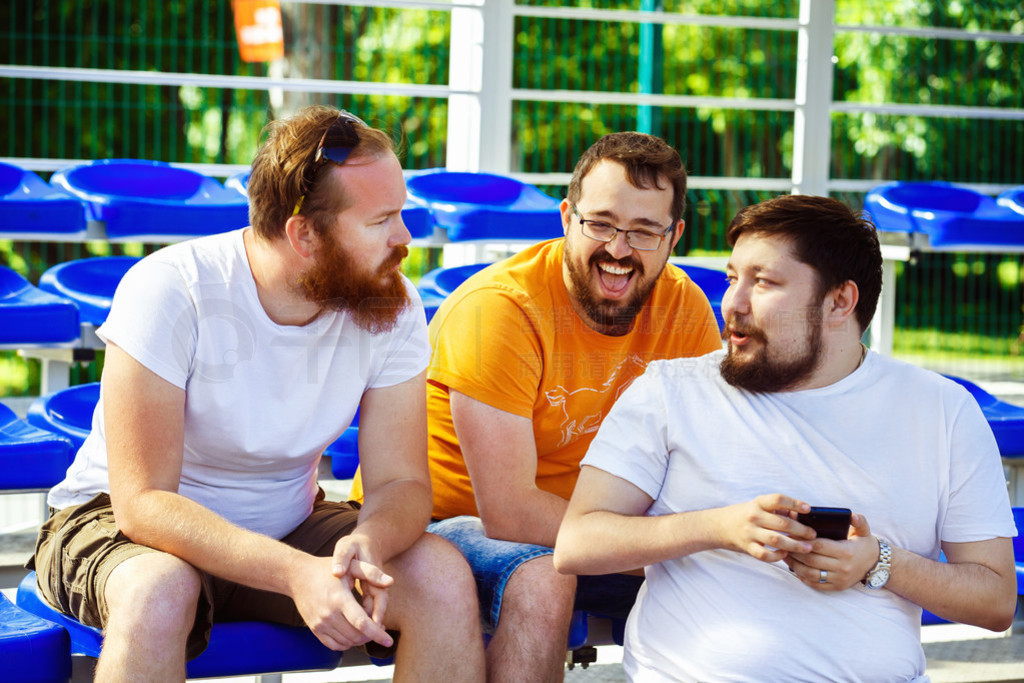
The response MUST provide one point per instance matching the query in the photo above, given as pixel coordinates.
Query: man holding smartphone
(682, 476)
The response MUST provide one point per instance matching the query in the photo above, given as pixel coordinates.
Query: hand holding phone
(833, 523)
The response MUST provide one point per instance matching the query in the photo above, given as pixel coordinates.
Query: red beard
(338, 283)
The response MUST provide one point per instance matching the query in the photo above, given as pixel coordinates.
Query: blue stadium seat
(437, 284)
(33, 650)
(67, 412)
(483, 206)
(578, 631)
(29, 205)
(239, 182)
(1005, 419)
(1018, 549)
(344, 451)
(30, 458)
(240, 648)
(418, 220)
(431, 302)
(443, 281)
(713, 283)
(140, 199)
(89, 282)
(31, 317)
(951, 216)
(1013, 199)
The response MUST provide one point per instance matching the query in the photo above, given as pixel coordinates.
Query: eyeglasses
(643, 240)
(335, 145)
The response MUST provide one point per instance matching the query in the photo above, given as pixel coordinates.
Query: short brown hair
(646, 159)
(824, 233)
(282, 164)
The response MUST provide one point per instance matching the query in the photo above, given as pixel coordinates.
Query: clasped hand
(766, 529)
(325, 597)
(837, 565)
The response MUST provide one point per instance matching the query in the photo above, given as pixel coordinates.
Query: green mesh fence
(965, 308)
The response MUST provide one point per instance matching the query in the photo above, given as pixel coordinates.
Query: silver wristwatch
(879, 574)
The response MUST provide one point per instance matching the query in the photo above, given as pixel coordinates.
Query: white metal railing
(175, 78)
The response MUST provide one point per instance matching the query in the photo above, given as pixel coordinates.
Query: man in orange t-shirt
(529, 356)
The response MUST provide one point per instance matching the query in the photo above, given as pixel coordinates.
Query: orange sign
(259, 30)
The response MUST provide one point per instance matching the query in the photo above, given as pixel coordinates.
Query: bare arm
(145, 440)
(397, 497)
(977, 584)
(393, 462)
(605, 529)
(501, 456)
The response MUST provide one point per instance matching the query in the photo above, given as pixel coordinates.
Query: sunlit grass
(965, 345)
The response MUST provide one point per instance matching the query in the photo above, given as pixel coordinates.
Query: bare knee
(153, 583)
(433, 574)
(151, 600)
(538, 598)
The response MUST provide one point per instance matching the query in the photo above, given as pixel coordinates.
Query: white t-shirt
(906, 448)
(262, 400)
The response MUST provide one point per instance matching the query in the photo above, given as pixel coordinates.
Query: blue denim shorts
(493, 562)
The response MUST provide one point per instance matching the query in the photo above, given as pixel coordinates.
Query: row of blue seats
(137, 199)
(37, 643)
(152, 200)
(43, 315)
(69, 295)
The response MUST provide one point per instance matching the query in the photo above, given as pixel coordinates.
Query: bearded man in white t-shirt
(702, 467)
(232, 361)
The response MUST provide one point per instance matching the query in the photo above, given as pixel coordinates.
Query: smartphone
(831, 523)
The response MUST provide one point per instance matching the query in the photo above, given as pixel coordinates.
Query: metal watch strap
(884, 563)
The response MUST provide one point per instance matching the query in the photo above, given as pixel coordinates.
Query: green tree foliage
(883, 68)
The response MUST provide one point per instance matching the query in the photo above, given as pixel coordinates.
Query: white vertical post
(55, 375)
(480, 120)
(496, 99)
(883, 323)
(465, 73)
(813, 122)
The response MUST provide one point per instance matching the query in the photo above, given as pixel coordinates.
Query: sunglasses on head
(336, 144)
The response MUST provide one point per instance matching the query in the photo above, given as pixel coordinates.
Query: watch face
(879, 578)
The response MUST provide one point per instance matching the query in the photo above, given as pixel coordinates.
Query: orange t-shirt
(510, 338)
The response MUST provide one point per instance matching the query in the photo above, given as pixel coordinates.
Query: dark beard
(761, 375)
(338, 283)
(613, 319)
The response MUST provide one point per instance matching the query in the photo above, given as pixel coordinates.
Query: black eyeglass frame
(345, 123)
(629, 233)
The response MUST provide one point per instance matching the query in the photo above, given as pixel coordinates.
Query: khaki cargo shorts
(79, 547)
